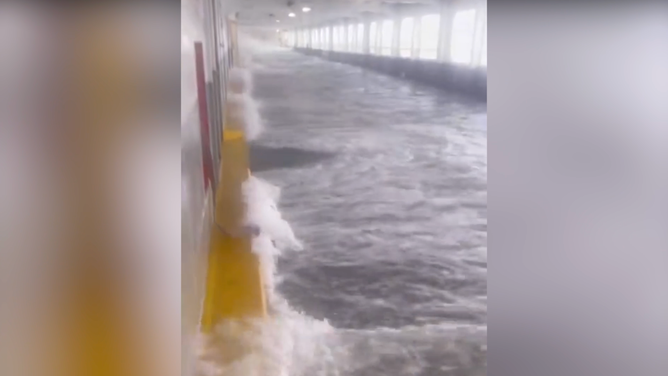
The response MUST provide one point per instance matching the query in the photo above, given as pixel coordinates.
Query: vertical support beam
(311, 33)
(323, 37)
(309, 41)
(379, 37)
(344, 36)
(480, 30)
(339, 27)
(339, 35)
(396, 33)
(357, 44)
(445, 33)
(330, 41)
(373, 39)
(225, 44)
(230, 46)
(366, 39)
(236, 61)
(417, 26)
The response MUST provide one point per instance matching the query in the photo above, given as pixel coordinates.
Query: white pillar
(366, 39)
(344, 36)
(445, 33)
(415, 51)
(396, 34)
(379, 36)
(479, 33)
(352, 47)
(308, 38)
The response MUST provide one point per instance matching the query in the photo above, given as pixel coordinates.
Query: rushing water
(385, 184)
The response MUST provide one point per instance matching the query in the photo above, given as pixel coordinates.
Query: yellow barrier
(234, 288)
(234, 282)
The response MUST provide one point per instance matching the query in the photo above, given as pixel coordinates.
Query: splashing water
(285, 344)
(245, 112)
(290, 343)
(243, 109)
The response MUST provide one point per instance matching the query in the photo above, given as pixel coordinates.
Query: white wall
(196, 206)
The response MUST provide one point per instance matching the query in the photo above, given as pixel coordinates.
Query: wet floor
(385, 183)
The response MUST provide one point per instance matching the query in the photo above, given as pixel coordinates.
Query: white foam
(240, 81)
(283, 345)
(245, 112)
(276, 234)
(261, 198)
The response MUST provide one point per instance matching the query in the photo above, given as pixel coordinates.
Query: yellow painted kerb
(234, 286)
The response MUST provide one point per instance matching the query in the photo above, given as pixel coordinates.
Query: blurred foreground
(89, 199)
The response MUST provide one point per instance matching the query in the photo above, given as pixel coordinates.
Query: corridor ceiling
(275, 13)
